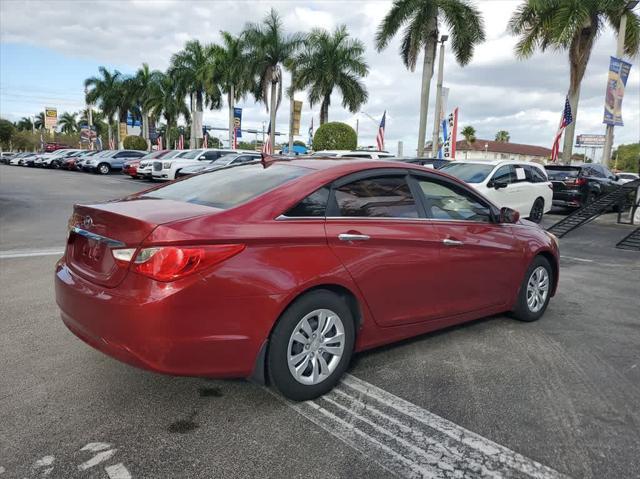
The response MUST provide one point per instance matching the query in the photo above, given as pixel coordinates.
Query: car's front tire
(535, 291)
(103, 168)
(537, 211)
(311, 345)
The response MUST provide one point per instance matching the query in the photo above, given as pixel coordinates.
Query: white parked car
(145, 168)
(626, 177)
(166, 168)
(54, 159)
(519, 185)
(362, 154)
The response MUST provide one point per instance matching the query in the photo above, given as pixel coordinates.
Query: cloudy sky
(48, 48)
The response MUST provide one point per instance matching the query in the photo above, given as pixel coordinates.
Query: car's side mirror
(507, 215)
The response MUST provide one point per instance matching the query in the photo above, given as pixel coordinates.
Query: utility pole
(608, 141)
(357, 130)
(436, 117)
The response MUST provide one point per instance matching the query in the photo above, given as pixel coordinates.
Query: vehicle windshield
(228, 187)
(468, 172)
(173, 154)
(560, 173)
(224, 160)
(191, 155)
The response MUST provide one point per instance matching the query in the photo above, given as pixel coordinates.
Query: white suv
(519, 185)
(361, 154)
(166, 169)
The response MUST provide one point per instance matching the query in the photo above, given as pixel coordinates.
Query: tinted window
(229, 187)
(505, 174)
(468, 172)
(211, 155)
(325, 154)
(384, 197)
(537, 174)
(447, 202)
(357, 155)
(562, 173)
(313, 205)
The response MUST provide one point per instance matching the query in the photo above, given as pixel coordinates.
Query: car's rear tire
(535, 291)
(103, 168)
(311, 345)
(537, 211)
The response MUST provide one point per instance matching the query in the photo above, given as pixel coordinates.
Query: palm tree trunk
(324, 110)
(569, 132)
(272, 114)
(427, 74)
(192, 136)
(109, 132)
(120, 140)
(230, 100)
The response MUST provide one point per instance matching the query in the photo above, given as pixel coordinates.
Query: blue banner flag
(617, 81)
(237, 121)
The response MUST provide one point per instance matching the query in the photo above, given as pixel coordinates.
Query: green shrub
(335, 136)
(133, 142)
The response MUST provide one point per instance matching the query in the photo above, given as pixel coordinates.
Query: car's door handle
(352, 237)
(450, 242)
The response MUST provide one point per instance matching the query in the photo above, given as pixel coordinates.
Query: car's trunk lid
(563, 177)
(96, 229)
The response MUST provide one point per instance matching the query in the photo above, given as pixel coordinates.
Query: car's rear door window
(314, 205)
(228, 187)
(379, 197)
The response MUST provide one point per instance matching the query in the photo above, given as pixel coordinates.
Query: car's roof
(347, 164)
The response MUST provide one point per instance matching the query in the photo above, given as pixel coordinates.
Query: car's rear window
(468, 172)
(562, 173)
(228, 187)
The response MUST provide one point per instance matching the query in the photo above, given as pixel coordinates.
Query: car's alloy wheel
(537, 289)
(537, 211)
(103, 168)
(311, 345)
(316, 346)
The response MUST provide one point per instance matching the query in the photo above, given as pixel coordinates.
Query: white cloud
(495, 91)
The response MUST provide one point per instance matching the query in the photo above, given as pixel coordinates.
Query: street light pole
(608, 140)
(436, 117)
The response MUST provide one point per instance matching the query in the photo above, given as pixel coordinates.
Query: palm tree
(165, 100)
(39, 121)
(25, 124)
(503, 136)
(105, 90)
(574, 26)
(269, 49)
(144, 83)
(98, 119)
(68, 123)
(193, 69)
(469, 134)
(422, 19)
(233, 71)
(332, 61)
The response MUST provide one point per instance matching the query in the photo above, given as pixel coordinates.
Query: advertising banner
(237, 121)
(618, 74)
(87, 134)
(131, 121)
(450, 132)
(123, 131)
(50, 118)
(593, 141)
(297, 113)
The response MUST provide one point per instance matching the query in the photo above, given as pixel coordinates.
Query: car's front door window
(505, 174)
(448, 202)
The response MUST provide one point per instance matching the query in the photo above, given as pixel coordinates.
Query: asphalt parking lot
(492, 398)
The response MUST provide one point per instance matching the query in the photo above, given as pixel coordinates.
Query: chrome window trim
(111, 243)
(381, 218)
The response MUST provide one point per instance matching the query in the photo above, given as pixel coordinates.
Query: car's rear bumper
(569, 199)
(167, 328)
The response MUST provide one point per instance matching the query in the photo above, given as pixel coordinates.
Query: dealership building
(490, 150)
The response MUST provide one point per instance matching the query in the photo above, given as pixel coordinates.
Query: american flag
(112, 143)
(565, 120)
(267, 148)
(311, 133)
(205, 141)
(235, 138)
(159, 142)
(380, 137)
(180, 145)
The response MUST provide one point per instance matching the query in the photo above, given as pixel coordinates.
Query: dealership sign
(593, 141)
(50, 118)
(237, 121)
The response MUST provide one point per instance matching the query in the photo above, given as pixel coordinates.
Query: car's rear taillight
(577, 182)
(169, 263)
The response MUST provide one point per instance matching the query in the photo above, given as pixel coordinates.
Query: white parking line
(409, 441)
(28, 253)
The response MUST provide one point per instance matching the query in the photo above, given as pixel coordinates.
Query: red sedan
(281, 270)
(131, 168)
